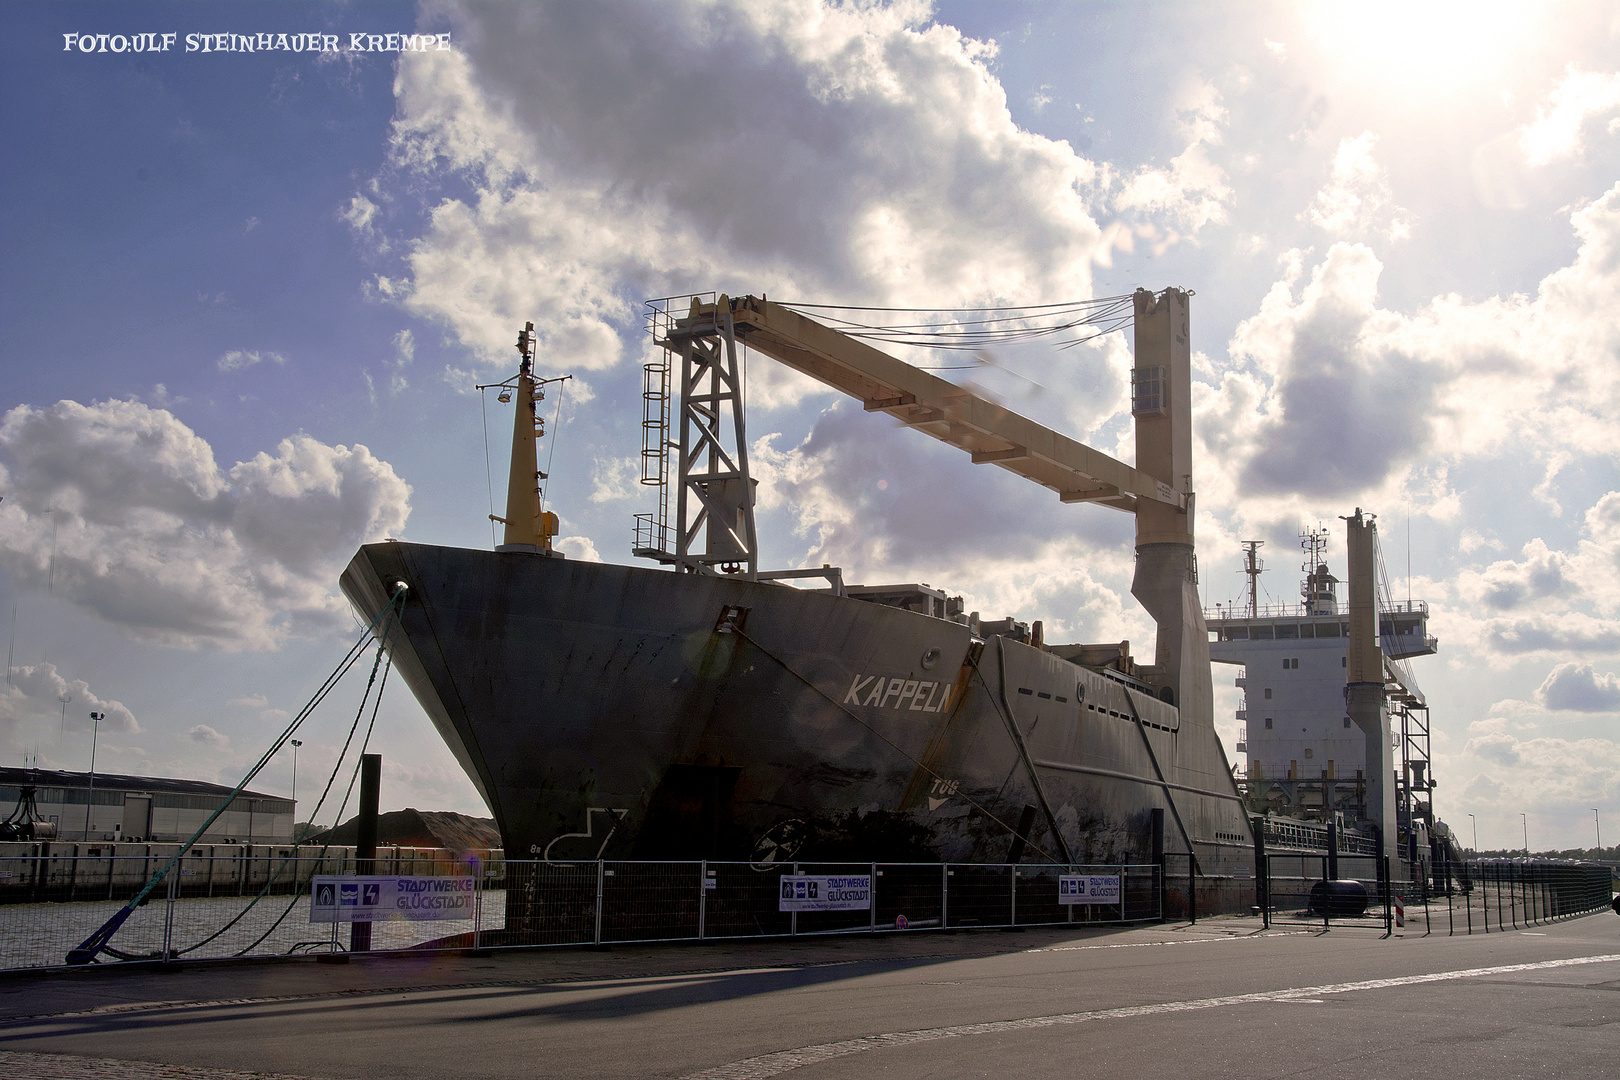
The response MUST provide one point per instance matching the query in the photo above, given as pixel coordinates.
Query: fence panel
(744, 901)
(651, 901)
(910, 895)
(1297, 890)
(232, 901)
(979, 895)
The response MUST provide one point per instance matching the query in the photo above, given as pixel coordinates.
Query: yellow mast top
(527, 527)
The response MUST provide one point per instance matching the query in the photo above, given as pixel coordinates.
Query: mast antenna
(529, 526)
(1253, 567)
(1318, 587)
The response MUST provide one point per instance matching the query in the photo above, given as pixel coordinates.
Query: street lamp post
(1598, 825)
(1475, 824)
(95, 727)
(1524, 821)
(296, 743)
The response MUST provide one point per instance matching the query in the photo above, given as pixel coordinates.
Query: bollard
(365, 844)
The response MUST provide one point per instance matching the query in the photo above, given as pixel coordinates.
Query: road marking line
(1161, 944)
(769, 1065)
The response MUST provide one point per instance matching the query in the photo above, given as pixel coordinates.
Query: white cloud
(360, 214)
(404, 354)
(1560, 124)
(1338, 397)
(161, 397)
(864, 153)
(1578, 688)
(260, 704)
(39, 691)
(1192, 192)
(1357, 200)
(153, 536)
(578, 547)
(615, 478)
(1506, 585)
(1548, 603)
(1560, 778)
(404, 347)
(240, 359)
(207, 736)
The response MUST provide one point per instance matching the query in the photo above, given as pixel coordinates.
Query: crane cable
(1106, 314)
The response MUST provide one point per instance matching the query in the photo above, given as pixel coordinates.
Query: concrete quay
(1222, 998)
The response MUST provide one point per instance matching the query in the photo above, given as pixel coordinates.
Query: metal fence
(1492, 895)
(1483, 896)
(215, 908)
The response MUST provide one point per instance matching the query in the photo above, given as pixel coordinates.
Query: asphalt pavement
(1224, 998)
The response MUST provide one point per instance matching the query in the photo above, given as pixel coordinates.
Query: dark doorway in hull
(689, 815)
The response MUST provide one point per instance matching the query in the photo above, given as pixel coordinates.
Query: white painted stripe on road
(769, 1065)
(1161, 944)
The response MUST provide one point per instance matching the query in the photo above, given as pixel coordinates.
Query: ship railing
(652, 537)
(1240, 612)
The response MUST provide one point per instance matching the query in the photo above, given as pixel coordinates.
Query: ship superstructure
(1309, 756)
(711, 709)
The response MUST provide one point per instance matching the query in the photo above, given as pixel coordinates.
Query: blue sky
(244, 297)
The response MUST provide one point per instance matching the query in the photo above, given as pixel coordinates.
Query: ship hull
(624, 712)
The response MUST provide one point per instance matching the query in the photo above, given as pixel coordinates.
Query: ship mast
(528, 528)
(1253, 567)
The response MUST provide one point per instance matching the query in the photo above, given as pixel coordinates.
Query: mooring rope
(337, 819)
(273, 877)
(86, 951)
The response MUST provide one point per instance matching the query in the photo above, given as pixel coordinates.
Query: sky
(245, 298)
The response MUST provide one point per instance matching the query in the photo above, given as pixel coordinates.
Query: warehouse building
(145, 808)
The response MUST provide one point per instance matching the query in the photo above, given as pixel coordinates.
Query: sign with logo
(850, 892)
(379, 898)
(1085, 889)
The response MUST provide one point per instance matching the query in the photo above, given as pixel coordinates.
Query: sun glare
(1421, 48)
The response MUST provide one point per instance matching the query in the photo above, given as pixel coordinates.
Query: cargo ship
(704, 708)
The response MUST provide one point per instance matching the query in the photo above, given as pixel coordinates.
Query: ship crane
(715, 494)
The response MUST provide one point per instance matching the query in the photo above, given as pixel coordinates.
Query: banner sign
(1082, 889)
(336, 898)
(849, 892)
